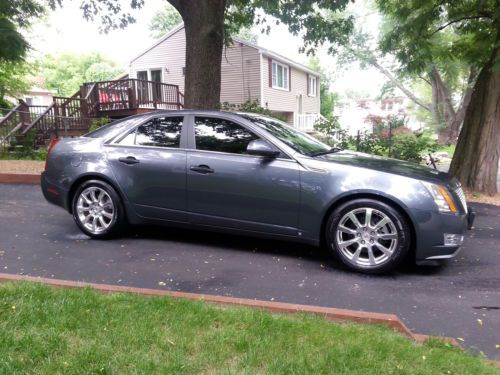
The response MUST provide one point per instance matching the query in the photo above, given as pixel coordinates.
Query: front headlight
(441, 197)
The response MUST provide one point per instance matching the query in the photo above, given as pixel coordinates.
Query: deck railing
(306, 121)
(128, 94)
(68, 116)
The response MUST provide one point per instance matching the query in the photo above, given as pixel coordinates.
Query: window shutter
(308, 83)
(317, 86)
(270, 71)
(289, 78)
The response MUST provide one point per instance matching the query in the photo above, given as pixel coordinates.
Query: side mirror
(259, 147)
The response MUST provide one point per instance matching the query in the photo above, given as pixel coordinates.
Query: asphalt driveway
(461, 299)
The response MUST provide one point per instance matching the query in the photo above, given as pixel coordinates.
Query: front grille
(460, 194)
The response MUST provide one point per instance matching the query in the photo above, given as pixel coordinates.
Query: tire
(98, 210)
(374, 249)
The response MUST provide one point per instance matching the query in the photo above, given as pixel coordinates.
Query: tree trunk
(475, 162)
(204, 25)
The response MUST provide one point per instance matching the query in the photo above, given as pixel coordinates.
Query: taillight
(51, 146)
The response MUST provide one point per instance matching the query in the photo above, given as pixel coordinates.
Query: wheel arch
(87, 177)
(391, 201)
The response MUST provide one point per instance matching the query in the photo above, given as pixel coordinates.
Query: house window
(280, 76)
(311, 86)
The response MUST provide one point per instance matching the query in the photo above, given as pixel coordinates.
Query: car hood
(388, 165)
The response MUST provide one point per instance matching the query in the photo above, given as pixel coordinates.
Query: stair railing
(12, 122)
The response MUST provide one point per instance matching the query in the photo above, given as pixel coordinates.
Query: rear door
(228, 188)
(149, 163)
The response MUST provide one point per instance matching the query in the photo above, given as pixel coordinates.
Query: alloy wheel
(95, 209)
(367, 237)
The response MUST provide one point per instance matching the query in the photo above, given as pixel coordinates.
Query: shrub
(412, 147)
(251, 106)
(98, 122)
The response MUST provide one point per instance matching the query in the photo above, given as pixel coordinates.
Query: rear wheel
(368, 236)
(97, 209)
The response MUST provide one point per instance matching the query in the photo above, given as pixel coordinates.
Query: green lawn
(47, 330)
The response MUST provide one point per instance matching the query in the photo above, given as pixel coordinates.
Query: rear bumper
(53, 192)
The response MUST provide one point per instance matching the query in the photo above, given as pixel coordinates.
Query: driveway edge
(19, 178)
(340, 315)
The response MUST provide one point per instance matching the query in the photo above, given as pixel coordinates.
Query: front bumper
(431, 230)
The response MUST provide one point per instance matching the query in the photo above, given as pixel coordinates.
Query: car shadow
(273, 247)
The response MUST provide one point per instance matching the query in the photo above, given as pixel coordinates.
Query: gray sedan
(254, 175)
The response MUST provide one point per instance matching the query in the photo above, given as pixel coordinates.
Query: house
(249, 73)
(363, 114)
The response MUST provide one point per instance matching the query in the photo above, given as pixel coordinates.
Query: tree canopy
(65, 73)
(16, 15)
(164, 21)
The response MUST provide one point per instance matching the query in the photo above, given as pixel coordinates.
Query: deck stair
(72, 116)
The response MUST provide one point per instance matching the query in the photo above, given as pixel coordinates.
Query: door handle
(128, 160)
(203, 169)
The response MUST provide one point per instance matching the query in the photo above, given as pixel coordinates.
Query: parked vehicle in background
(250, 174)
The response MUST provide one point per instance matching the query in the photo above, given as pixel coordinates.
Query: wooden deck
(127, 97)
(72, 116)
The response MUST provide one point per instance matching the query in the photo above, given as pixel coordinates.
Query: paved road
(461, 299)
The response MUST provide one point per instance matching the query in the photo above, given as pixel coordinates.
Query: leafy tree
(65, 73)
(13, 80)
(16, 15)
(205, 22)
(328, 98)
(164, 21)
(167, 18)
(474, 26)
(447, 79)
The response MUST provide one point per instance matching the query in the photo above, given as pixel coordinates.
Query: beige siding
(169, 55)
(240, 67)
(287, 101)
(240, 74)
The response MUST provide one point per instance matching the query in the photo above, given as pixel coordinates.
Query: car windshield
(299, 141)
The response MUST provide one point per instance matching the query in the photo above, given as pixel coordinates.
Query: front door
(228, 188)
(150, 166)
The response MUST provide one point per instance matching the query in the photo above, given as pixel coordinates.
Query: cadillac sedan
(253, 175)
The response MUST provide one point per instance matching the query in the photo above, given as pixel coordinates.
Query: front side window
(297, 140)
(158, 132)
(280, 75)
(215, 134)
(312, 86)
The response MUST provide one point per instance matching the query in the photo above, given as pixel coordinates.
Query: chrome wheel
(95, 209)
(366, 237)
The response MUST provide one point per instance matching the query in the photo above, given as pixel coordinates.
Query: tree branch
(485, 15)
(398, 84)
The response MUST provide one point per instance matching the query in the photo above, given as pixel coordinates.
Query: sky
(65, 30)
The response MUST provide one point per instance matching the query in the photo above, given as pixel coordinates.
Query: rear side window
(215, 134)
(158, 132)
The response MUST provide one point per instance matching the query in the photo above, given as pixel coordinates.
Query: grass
(46, 330)
(449, 149)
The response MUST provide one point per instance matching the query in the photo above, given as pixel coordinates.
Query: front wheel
(368, 236)
(97, 209)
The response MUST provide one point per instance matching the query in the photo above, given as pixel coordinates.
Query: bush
(404, 144)
(98, 122)
(251, 106)
(412, 147)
